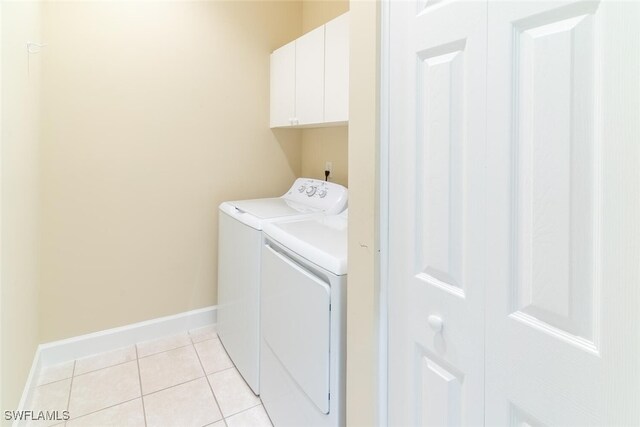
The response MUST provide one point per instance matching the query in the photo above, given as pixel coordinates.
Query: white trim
(111, 339)
(383, 218)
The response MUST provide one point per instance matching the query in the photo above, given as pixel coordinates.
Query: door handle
(436, 323)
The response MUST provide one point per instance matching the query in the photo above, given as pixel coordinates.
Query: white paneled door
(437, 125)
(563, 266)
(514, 209)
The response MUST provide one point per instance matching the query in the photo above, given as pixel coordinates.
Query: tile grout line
(105, 367)
(162, 351)
(186, 333)
(216, 337)
(53, 382)
(175, 385)
(144, 411)
(103, 409)
(73, 374)
(222, 370)
(215, 399)
(245, 410)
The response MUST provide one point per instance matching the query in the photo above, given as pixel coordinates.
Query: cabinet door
(336, 67)
(283, 85)
(309, 77)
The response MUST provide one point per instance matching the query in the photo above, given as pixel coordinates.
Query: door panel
(437, 128)
(554, 172)
(440, 151)
(441, 394)
(554, 353)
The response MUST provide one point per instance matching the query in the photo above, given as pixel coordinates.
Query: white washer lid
(254, 212)
(321, 240)
(271, 208)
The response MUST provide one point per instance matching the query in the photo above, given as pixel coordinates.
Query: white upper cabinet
(283, 85)
(310, 78)
(336, 69)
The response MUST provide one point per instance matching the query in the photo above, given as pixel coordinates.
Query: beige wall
(154, 113)
(324, 144)
(361, 295)
(147, 126)
(318, 12)
(20, 83)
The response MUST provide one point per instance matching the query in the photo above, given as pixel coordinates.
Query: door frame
(382, 168)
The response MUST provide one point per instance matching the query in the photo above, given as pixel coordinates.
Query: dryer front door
(296, 320)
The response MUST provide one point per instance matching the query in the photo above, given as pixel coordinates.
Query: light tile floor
(182, 380)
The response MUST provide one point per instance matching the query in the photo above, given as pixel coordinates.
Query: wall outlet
(328, 166)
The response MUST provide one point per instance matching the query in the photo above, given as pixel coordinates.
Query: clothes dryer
(239, 257)
(303, 309)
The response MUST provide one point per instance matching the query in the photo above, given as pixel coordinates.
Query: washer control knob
(301, 189)
(322, 192)
(311, 191)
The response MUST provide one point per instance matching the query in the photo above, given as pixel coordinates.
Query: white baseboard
(111, 339)
(97, 342)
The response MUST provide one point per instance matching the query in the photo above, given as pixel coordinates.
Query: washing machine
(239, 258)
(303, 309)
